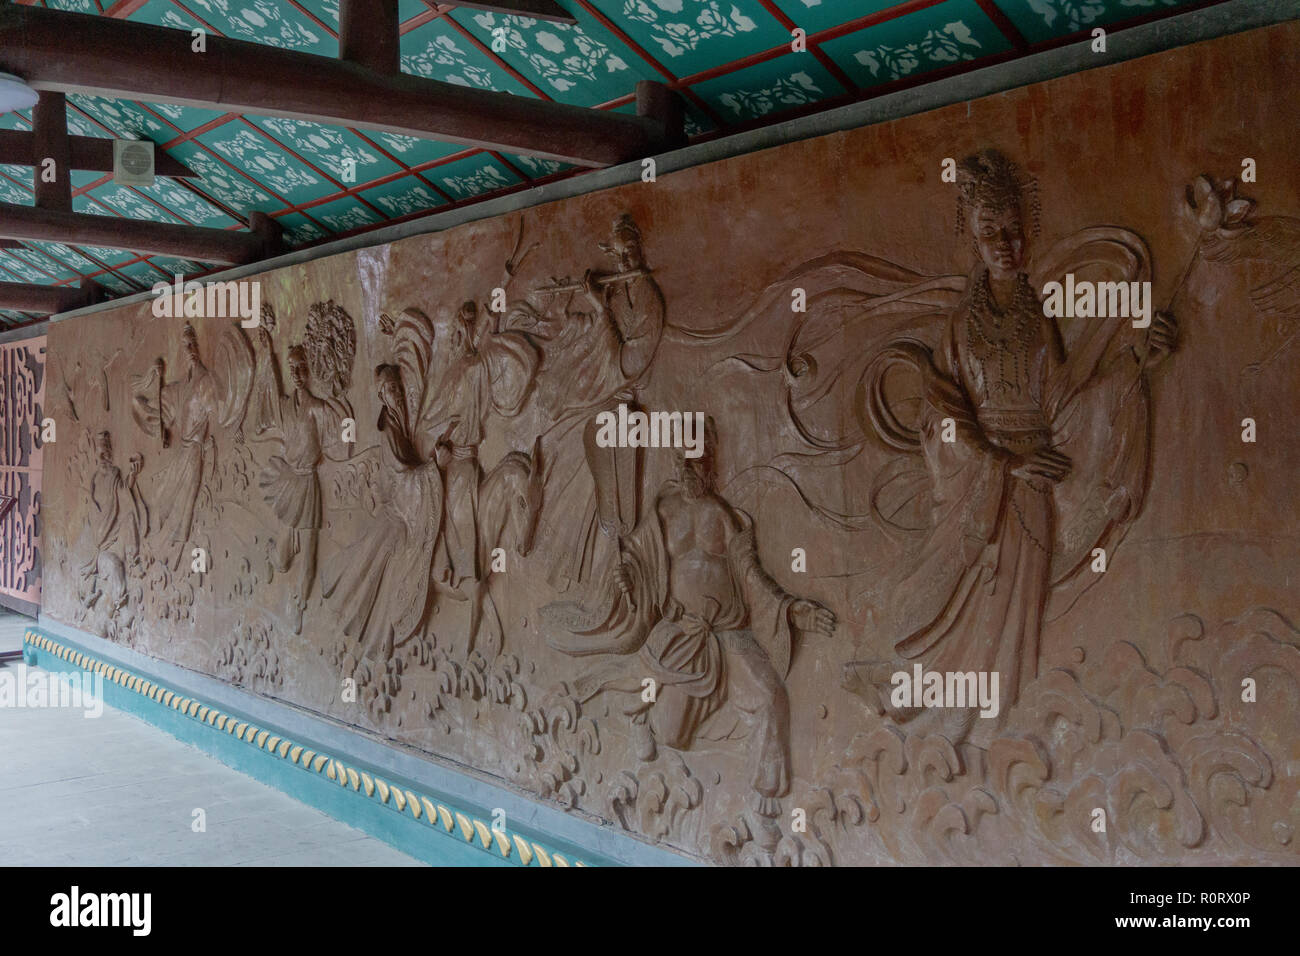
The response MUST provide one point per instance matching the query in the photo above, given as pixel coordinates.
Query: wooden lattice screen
(22, 400)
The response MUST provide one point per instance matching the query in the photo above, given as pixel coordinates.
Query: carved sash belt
(1012, 420)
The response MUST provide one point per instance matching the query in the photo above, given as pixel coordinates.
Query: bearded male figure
(692, 602)
(118, 520)
(189, 409)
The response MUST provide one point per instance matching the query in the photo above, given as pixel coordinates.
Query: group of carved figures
(1010, 406)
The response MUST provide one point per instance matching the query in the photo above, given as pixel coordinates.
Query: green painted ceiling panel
(401, 197)
(789, 81)
(439, 51)
(815, 15)
(1044, 19)
(911, 45)
(690, 36)
(319, 179)
(583, 64)
(472, 176)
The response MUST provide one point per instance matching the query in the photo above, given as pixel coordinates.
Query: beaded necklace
(1002, 337)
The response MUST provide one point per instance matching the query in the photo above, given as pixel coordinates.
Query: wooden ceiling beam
(18, 148)
(223, 246)
(368, 34)
(69, 52)
(48, 299)
(538, 9)
(53, 180)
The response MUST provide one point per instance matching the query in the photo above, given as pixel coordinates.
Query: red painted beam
(18, 148)
(155, 238)
(67, 52)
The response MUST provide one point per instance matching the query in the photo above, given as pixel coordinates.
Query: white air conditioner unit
(133, 162)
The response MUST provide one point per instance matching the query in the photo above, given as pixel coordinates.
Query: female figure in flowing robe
(1007, 415)
(1029, 450)
(381, 584)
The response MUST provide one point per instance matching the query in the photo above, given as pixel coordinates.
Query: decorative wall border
(499, 845)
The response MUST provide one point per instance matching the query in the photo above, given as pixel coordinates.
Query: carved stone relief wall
(22, 403)
(653, 501)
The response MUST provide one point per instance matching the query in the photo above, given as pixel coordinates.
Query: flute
(600, 281)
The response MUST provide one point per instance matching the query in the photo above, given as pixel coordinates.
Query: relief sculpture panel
(922, 493)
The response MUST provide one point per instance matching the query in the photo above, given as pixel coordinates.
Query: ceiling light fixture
(15, 94)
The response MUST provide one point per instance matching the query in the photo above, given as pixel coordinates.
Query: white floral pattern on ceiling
(325, 145)
(707, 19)
(444, 59)
(467, 184)
(412, 199)
(262, 21)
(247, 151)
(954, 41)
(343, 220)
(10, 191)
(229, 187)
(300, 172)
(125, 200)
(537, 167)
(793, 90)
(562, 55)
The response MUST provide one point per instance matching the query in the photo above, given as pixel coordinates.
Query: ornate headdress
(331, 343)
(991, 180)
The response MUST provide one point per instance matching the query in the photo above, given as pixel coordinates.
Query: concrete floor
(115, 790)
(12, 628)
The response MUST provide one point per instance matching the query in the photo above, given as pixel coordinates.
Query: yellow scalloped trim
(525, 851)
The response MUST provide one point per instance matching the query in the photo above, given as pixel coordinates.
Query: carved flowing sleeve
(511, 362)
(608, 624)
(768, 602)
(640, 336)
(1097, 404)
(152, 404)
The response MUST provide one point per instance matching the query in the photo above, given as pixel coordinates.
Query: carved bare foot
(643, 739)
(872, 681)
(763, 825)
(864, 679)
